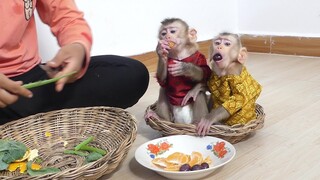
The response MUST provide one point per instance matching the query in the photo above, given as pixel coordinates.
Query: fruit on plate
(179, 161)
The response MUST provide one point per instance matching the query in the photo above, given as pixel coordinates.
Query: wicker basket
(114, 130)
(233, 134)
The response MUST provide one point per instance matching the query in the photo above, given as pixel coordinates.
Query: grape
(185, 167)
(196, 167)
(204, 165)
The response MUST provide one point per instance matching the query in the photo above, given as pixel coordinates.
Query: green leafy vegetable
(3, 165)
(44, 82)
(10, 151)
(38, 160)
(93, 156)
(42, 171)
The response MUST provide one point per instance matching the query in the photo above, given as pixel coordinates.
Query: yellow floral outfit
(237, 94)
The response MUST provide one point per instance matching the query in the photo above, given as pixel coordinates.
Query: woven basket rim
(76, 124)
(233, 134)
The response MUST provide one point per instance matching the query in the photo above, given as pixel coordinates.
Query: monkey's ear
(243, 54)
(193, 34)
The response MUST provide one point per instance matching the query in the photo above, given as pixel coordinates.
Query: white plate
(145, 153)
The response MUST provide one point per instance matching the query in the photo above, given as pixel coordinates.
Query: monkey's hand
(162, 62)
(186, 69)
(163, 49)
(215, 116)
(193, 93)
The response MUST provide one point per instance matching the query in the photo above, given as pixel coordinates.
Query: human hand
(11, 90)
(70, 58)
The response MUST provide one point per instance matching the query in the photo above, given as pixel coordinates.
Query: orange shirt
(18, 36)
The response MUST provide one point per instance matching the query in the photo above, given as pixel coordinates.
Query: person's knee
(143, 75)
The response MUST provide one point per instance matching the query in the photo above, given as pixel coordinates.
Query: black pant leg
(109, 81)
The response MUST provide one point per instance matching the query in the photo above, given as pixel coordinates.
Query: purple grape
(196, 167)
(185, 167)
(204, 165)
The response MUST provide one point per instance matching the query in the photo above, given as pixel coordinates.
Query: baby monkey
(180, 67)
(233, 90)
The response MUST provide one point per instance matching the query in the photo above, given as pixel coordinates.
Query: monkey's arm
(162, 62)
(218, 114)
(198, 70)
(193, 93)
(193, 71)
(186, 69)
(161, 70)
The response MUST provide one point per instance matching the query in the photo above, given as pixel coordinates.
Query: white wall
(279, 17)
(127, 27)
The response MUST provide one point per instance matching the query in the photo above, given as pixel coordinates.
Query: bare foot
(150, 114)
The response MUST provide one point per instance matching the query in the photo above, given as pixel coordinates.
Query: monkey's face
(224, 51)
(173, 32)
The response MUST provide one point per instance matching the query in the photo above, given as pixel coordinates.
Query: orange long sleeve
(18, 38)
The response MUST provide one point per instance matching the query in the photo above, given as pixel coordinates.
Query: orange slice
(171, 44)
(173, 167)
(207, 160)
(178, 158)
(160, 162)
(196, 158)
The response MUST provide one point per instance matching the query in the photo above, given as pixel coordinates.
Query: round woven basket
(114, 130)
(232, 134)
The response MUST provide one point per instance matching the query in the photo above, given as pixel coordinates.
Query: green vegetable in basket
(93, 149)
(42, 171)
(83, 148)
(10, 151)
(79, 153)
(83, 143)
(93, 156)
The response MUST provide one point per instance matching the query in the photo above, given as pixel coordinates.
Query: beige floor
(288, 146)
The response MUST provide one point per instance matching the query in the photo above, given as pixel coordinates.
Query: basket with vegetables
(78, 143)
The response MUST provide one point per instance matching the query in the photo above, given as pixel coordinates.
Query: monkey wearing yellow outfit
(233, 90)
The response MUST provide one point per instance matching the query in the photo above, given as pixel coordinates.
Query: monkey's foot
(150, 114)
